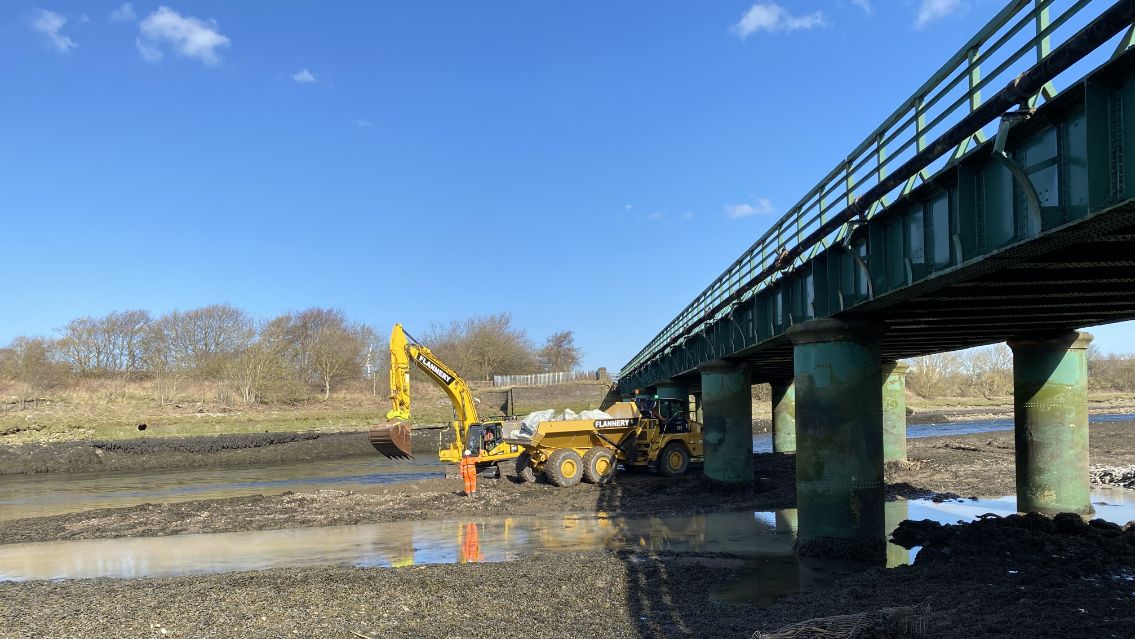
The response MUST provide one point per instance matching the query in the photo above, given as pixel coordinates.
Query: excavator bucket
(392, 439)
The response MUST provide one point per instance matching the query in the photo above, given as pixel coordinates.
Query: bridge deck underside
(1083, 277)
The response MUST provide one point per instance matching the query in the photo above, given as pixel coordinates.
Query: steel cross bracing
(944, 126)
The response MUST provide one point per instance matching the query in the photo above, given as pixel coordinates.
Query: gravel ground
(983, 464)
(554, 595)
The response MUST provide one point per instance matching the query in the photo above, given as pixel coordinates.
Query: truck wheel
(524, 470)
(598, 465)
(674, 460)
(564, 467)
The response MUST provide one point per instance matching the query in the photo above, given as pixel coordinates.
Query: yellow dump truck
(646, 433)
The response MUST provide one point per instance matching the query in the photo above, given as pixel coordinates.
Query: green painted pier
(996, 204)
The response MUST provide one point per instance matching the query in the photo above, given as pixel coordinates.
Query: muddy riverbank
(970, 466)
(206, 451)
(220, 451)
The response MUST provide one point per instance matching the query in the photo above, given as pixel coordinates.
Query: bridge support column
(1050, 397)
(670, 389)
(839, 438)
(894, 411)
(727, 406)
(784, 416)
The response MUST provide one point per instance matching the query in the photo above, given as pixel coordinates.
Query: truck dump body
(594, 446)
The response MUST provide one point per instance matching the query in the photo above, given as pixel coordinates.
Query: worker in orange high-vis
(469, 473)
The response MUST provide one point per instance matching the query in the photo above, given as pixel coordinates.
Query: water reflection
(764, 541)
(391, 544)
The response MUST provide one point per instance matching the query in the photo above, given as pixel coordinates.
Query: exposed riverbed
(644, 557)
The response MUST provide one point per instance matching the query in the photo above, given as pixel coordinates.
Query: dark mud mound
(1015, 576)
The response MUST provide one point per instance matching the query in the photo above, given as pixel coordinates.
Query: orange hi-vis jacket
(469, 473)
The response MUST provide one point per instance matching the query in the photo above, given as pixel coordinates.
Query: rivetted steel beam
(839, 438)
(894, 411)
(1050, 397)
(727, 413)
(784, 416)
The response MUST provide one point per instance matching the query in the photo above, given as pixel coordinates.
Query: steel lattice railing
(1015, 50)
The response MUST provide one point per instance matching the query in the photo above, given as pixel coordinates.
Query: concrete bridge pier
(727, 410)
(839, 438)
(784, 416)
(894, 411)
(1050, 397)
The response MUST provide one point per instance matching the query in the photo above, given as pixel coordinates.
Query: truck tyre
(524, 470)
(564, 467)
(674, 460)
(599, 465)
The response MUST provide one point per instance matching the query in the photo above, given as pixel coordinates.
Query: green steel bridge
(995, 205)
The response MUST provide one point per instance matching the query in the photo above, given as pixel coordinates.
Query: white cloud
(363, 123)
(125, 13)
(762, 206)
(933, 10)
(49, 24)
(866, 5)
(187, 36)
(627, 207)
(772, 17)
(303, 76)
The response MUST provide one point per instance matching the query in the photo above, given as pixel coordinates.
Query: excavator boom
(393, 438)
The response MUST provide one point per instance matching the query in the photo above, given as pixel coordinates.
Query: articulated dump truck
(643, 434)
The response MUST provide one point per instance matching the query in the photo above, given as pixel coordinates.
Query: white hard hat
(467, 452)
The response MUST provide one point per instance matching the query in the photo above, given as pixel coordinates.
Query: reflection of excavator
(483, 439)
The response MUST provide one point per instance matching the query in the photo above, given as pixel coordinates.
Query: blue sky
(584, 165)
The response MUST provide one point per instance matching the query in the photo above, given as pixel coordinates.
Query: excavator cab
(483, 437)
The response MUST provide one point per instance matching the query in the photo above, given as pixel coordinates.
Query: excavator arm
(393, 438)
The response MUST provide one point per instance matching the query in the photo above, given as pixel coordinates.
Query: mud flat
(969, 466)
(1012, 577)
(205, 451)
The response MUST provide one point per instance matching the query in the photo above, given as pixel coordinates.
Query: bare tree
(986, 371)
(200, 340)
(559, 352)
(337, 352)
(31, 361)
(483, 346)
(106, 345)
(260, 363)
(933, 375)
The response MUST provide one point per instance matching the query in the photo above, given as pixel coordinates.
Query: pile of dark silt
(1014, 576)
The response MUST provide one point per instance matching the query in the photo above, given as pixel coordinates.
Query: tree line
(988, 372)
(285, 357)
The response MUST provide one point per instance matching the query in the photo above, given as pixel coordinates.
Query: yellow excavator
(485, 440)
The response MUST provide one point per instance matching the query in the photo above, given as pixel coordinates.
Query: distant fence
(543, 379)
